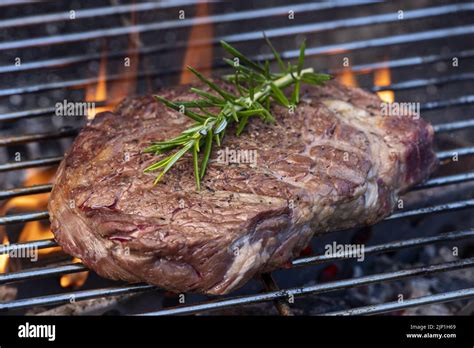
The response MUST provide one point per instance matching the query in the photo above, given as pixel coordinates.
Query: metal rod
(387, 247)
(37, 244)
(76, 296)
(42, 162)
(93, 12)
(445, 180)
(13, 116)
(417, 83)
(27, 114)
(449, 154)
(440, 104)
(381, 42)
(406, 62)
(42, 272)
(316, 289)
(24, 217)
(23, 191)
(453, 126)
(173, 24)
(442, 208)
(409, 303)
(22, 139)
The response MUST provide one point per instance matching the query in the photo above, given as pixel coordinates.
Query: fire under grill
(417, 52)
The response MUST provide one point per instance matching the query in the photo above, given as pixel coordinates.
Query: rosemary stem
(282, 82)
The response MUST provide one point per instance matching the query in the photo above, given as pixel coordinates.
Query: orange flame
(198, 55)
(348, 78)
(34, 230)
(4, 257)
(37, 230)
(125, 83)
(98, 93)
(382, 77)
(75, 280)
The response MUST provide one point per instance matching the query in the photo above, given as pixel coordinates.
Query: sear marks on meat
(334, 163)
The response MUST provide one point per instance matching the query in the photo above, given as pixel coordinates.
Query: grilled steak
(334, 163)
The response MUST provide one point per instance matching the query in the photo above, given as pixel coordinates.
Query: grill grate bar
(48, 161)
(412, 302)
(174, 24)
(317, 289)
(440, 104)
(22, 139)
(464, 151)
(23, 191)
(43, 272)
(447, 207)
(418, 83)
(77, 296)
(305, 261)
(18, 115)
(24, 217)
(445, 180)
(37, 244)
(242, 300)
(404, 62)
(94, 12)
(390, 246)
(453, 126)
(441, 208)
(380, 42)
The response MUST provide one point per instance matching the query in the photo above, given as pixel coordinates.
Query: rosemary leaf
(196, 166)
(275, 53)
(186, 111)
(226, 95)
(301, 57)
(207, 153)
(279, 95)
(172, 160)
(242, 124)
(242, 59)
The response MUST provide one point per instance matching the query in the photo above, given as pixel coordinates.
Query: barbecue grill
(373, 35)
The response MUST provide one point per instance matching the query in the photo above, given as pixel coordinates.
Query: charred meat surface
(334, 163)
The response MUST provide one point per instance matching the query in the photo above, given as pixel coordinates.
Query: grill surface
(423, 36)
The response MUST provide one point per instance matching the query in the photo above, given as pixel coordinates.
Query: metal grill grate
(272, 292)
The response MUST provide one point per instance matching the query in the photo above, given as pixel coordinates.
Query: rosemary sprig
(256, 86)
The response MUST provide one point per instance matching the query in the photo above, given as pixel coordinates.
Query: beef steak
(334, 163)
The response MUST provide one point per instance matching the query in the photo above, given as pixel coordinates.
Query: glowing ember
(382, 78)
(75, 280)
